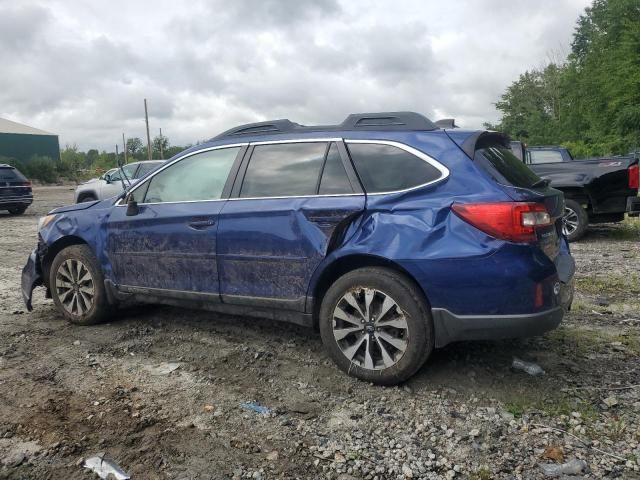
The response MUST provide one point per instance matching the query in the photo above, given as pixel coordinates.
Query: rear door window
(387, 168)
(504, 167)
(334, 177)
(544, 156)
(284, 170)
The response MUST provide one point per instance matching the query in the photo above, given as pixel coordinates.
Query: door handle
(202, 223)
(325, 220)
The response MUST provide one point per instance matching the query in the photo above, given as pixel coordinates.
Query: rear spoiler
(480, 140)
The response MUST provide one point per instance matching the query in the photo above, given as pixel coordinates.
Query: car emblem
(556, 288)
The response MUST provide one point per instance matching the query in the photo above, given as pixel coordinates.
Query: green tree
(134, 148)
(92, 157)
(591, 102)
(160, 141)
(71, 161)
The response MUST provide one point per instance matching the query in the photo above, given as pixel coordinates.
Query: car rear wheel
(17, 210)
(575, 220)
(376, 326)
(77, 286)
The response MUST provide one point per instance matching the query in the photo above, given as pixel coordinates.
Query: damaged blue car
(390, 234)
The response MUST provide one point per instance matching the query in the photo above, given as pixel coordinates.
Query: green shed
(21, 142)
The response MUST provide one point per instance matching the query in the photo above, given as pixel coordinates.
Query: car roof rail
(355, 121)
(447, 123)
(260, 128)
(388, 121)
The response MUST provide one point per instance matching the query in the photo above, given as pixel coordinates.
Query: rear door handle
(202, 223)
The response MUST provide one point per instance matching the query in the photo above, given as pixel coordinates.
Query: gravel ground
(160, 390)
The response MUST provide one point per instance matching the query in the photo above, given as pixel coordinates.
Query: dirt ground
(160, 390)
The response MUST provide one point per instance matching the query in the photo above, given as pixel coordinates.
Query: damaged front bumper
(31, 278)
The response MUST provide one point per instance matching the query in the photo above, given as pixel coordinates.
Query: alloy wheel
(570, 221)
(370, 328)
(75, 287)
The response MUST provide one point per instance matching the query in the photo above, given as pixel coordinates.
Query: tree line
(75, 164)
(590, 101)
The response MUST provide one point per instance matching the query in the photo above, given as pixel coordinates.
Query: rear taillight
(634, 176)
(27, 183)
(513, 221)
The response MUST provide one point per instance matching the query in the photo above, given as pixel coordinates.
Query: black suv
(15, 190)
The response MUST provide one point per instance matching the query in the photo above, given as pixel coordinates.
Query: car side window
(334, 177)
(544, 156)
(387, 168)
(198, 177)
(283, 170)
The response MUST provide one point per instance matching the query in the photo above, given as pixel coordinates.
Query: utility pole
(146, 119)
(161, 149)
(117, 155)
(124, 148)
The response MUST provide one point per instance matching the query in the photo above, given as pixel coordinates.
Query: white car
(109, 184)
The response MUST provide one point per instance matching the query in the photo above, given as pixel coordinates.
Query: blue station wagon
(388, 234)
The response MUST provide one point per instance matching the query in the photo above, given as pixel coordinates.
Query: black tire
(574, 213)
(17, 210)
(99, 308)
(87, 198)
(419, 336)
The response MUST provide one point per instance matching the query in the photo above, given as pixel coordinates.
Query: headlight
(44, 221)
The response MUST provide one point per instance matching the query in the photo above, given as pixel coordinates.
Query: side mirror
(107, 178)
(132, 207)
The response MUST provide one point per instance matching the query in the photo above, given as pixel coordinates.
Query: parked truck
(596, 190)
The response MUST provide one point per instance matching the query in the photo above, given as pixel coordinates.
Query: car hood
(84, 206)
(92, 180)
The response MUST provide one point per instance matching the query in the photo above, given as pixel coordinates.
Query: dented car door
(294, 202)
(169, 244)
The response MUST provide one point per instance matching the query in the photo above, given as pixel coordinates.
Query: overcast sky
(82, 68)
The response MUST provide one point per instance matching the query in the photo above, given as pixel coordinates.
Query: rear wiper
(543, 183)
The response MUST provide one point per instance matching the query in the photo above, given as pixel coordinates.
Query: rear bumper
(633, 206)
(450, 327)
(16, 201)
(31, 278)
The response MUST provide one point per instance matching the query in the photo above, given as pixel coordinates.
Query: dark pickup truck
(596, 190)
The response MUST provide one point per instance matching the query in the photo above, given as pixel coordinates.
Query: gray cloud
(81, 69)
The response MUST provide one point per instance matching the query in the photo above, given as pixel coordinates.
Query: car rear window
(8, 174)
(504, 167)
(386, 168)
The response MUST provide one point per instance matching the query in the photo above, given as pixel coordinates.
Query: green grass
(610, 285)
(483, 473)
(588, 340)
(532, 400)
(629, 229)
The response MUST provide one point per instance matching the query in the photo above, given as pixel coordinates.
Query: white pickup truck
(109, 184)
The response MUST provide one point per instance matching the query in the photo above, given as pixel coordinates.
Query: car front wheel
(77, 286)
(376, 325)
